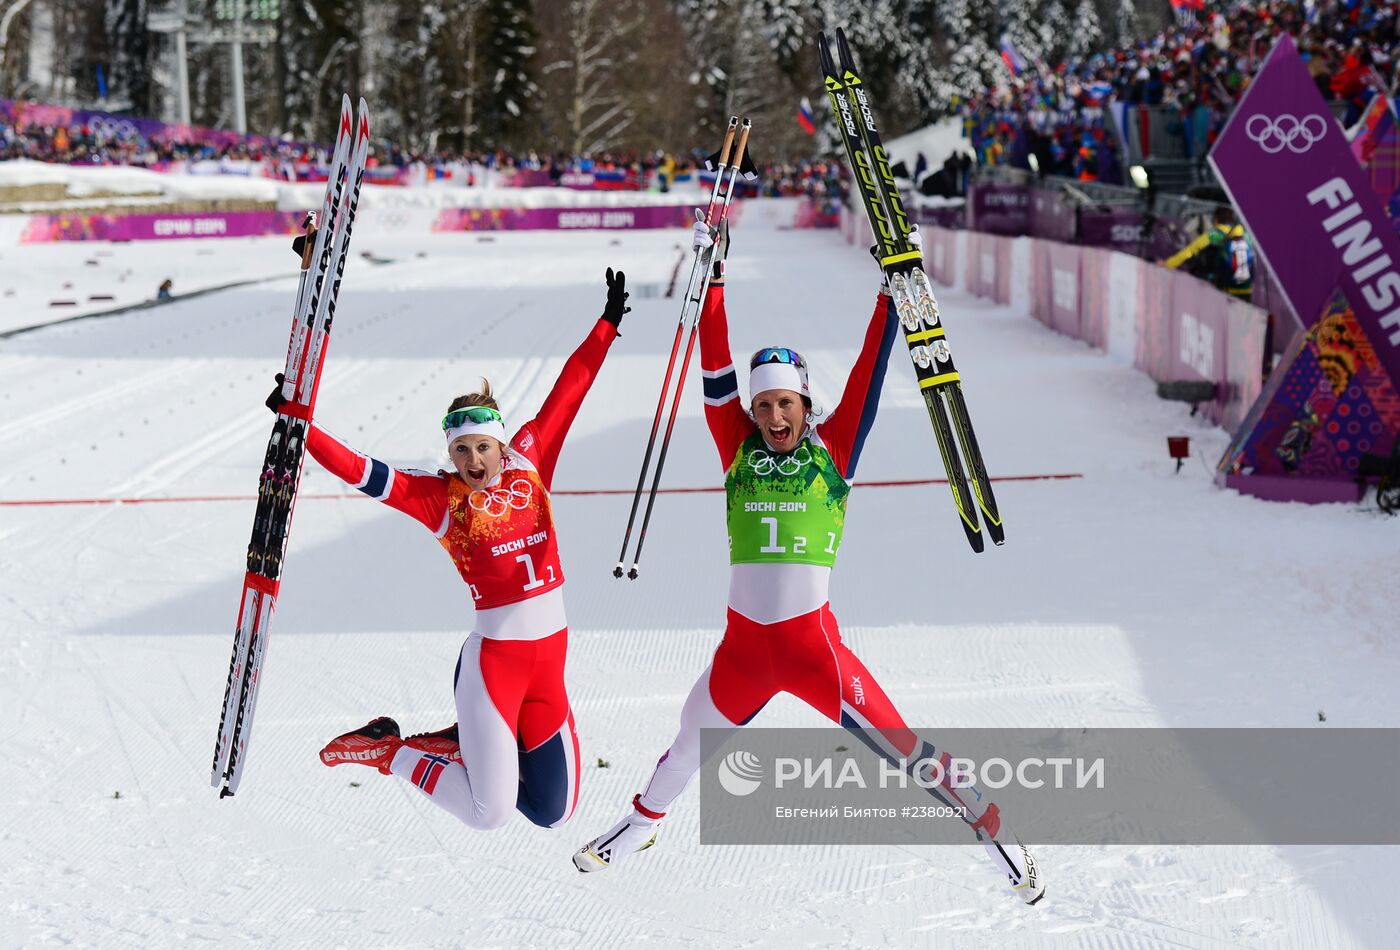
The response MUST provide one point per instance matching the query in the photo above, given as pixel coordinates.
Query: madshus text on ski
(514, 746)
(324, 248)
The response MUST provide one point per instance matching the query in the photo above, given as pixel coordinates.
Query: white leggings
(519, 747)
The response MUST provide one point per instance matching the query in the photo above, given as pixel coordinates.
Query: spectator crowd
(1196, 71)
(99, 139)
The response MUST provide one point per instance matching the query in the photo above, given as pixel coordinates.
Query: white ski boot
(1013, 860)
(636, 832)
(1009, 855)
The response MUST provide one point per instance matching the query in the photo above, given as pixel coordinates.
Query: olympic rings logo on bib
(764, 464)
(498, 501)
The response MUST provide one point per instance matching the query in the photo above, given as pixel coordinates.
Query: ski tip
(362, 120)
(824, 60)
(843, 49)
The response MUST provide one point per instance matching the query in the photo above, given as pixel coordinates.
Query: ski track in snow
(1131, 597)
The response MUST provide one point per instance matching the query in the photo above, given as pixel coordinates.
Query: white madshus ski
(324, 253)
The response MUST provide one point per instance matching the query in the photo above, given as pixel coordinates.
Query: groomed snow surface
(1129, 597)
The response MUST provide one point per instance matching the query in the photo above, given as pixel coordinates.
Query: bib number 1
(772, 547)
(534, 582)
(799, 542)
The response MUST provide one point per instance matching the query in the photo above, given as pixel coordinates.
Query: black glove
(299, 242)
(275, 400)
(617, 298)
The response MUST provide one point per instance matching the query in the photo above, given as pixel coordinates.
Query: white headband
(768, 376)
(494, 428)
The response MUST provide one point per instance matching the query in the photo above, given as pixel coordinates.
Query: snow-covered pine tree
(788, 29)
(409, 92)
(967, 37)
(1125, 22)
(1087, 34)
(1057, 30)
(317, 43)
(507, 90)
(750, 59)
(457, 48)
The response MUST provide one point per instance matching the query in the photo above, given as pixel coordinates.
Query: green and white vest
(785, 509)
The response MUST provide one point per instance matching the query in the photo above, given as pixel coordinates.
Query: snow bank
(936, 142)
(83, 181)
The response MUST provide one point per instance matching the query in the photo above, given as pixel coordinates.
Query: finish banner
(1309, 206)
(1290, 172)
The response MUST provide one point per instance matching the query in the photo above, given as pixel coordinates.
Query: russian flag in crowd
(804, 117)
(1013, 59)
(1098, 91)
(1187, 10)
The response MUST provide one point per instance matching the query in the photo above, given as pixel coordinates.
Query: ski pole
(675, 345)
(735, 168)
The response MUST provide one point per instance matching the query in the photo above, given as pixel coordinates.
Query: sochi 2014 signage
(1285, 162)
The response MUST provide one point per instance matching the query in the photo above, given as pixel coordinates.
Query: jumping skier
(781, 635)
(514, 745)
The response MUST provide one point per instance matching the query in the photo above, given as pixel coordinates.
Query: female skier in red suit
(514, 745)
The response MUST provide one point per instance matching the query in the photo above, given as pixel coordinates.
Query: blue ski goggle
(777, 354)
(470, 414)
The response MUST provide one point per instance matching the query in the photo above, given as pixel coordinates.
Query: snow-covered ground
(43, 283)
(1127, 597)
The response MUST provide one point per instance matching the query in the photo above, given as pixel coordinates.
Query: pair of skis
(324, 250)
(913, 295)
(729, 163)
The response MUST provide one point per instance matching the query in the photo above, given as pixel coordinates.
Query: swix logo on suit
(501, 539)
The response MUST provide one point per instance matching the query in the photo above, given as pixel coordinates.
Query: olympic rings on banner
(1297, 135)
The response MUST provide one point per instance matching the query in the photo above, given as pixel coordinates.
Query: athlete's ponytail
(482, 398)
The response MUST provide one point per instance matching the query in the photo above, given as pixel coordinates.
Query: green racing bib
(784, 509)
